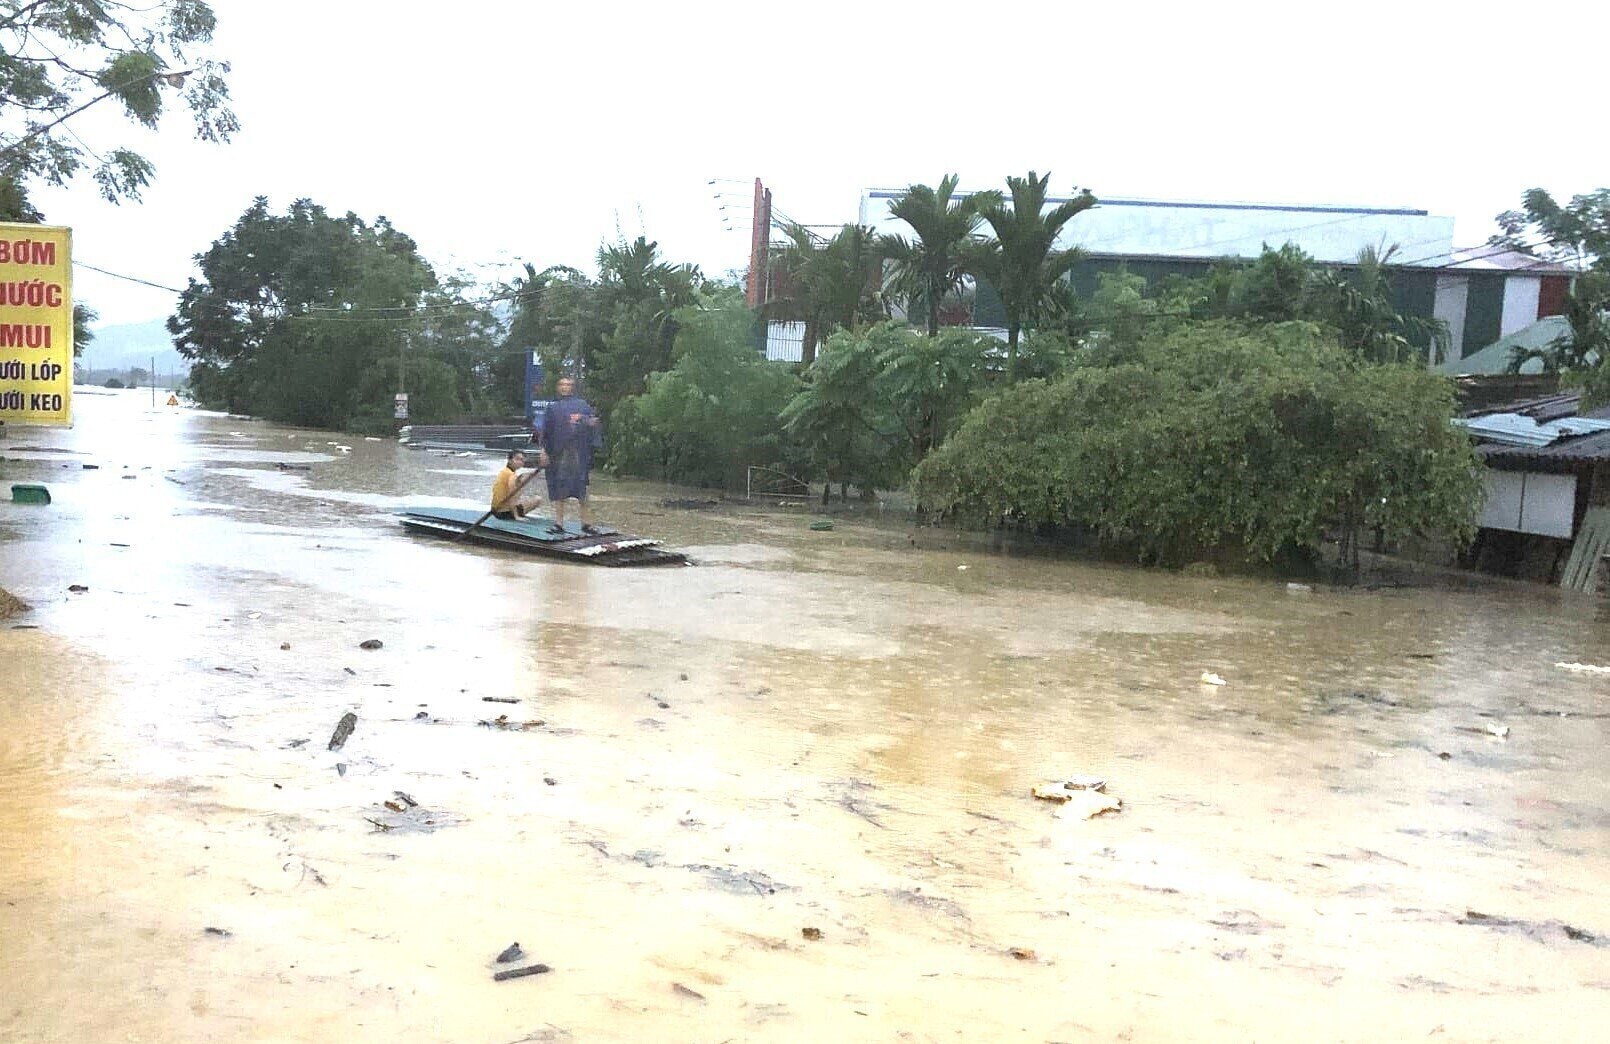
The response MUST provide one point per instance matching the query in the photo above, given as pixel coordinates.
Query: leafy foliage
(714, 411)
(933, 265)
(1577, 232)
(1217, 439)
(876, 401)
(60, 57)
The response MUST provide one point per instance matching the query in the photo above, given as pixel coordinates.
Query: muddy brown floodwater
(780, 795)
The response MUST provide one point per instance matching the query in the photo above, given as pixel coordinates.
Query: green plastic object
(823, 526)
(29, 493)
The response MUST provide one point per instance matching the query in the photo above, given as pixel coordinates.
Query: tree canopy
(59, 58)
(298, 317)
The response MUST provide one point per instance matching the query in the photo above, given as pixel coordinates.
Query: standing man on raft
(569, 436)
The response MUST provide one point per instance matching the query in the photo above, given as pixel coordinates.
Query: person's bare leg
(585, 511)
(559, 512)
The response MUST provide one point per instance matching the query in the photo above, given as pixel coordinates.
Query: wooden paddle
(512, 498)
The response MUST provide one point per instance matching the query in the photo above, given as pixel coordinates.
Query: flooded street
(835, 731)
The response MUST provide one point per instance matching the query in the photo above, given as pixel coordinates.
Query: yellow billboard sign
(36, 324)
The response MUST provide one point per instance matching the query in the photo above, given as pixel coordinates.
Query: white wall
(1453, 292)
(1530, 502)
(1520, 303)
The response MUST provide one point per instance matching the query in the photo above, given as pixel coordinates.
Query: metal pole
(153, 382)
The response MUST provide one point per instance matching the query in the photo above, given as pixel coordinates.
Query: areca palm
(828, 286)
(1022, 261)
(932, 265)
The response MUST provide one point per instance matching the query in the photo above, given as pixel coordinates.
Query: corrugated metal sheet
(1564, 455)
(1513, 429)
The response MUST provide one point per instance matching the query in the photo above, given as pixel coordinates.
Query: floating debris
(371, 643)
(1583, 668)
(811, 934)
(512, 954)
(520, 973)
(343, 731)
(502, 722)
(1209, 678)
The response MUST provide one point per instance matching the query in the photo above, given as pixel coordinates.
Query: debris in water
(1022, 953)
(1061, 790)
(285, 646)
(421, 716)
(822, 526)
(1444, 755)
(343, 730)
(77, 588)
(811, 934)
(405, 798)
(371, 643)
(520, 973)
(222, 933)
(683, 991)
(1209, 678)
(350, 671)
(296, 744)
(513, 953)
(1542, 931)
(502, 722)
(499, 699)
(10, 605)
(550, 781)
(1495, 729)
(1299, 589)
(1088, 804)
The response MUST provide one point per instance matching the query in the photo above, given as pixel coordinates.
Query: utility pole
(153, 382)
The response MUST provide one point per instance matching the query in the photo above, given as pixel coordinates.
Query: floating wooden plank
(1592, 541)
(608, 546)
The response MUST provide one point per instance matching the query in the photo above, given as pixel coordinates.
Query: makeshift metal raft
(609, 547)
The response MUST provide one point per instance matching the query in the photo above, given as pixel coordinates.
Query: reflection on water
(835, 731)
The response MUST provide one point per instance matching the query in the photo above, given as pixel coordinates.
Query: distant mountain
(128, 345)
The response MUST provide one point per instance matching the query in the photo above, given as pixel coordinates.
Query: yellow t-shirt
(503, 490)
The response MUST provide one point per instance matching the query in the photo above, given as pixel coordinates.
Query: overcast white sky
(491, 131)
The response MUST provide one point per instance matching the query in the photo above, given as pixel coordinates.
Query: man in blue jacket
(569, 436)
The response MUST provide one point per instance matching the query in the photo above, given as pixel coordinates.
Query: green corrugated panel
(987, 307)
(1414, 295)
(1484, 310)
(30, 493)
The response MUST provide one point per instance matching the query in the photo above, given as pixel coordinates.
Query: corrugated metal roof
(1514, 429)
(1490, 259)
(1564, 455)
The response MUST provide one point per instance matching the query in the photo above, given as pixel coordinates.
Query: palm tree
(827, 285)
(1022, 261)
(1359, 304)
(934, 265)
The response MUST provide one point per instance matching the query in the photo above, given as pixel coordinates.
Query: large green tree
(1576, 232)
(640, 294)
(59, 58)
(557, 313)
(294, 312)
(933, 264)
(1023, 262)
